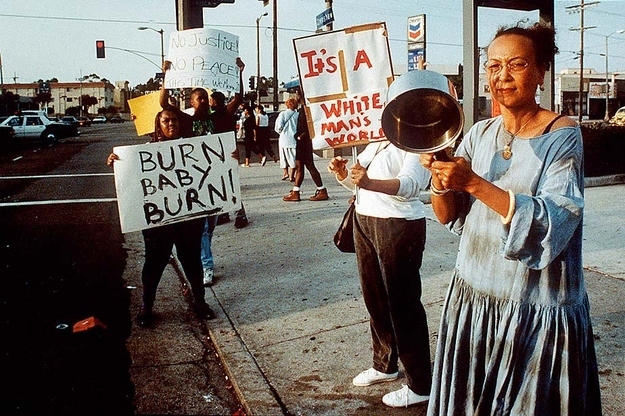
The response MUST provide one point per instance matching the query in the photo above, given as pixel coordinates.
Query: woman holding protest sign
(389, 237)
(160, 241)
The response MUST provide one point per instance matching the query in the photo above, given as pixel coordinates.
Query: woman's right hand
(111, 159)
(338, 166)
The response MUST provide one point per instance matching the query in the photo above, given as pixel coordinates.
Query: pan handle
(441, 156)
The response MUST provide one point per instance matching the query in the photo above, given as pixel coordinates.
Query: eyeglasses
(514, 67)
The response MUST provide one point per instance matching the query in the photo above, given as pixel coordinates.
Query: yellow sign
(144, 110)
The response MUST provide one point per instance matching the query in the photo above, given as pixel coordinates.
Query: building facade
(65, 94)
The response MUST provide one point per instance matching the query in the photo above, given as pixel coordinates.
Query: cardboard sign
(345, 76)
(166, 182)
(144, 110)
(203, 58)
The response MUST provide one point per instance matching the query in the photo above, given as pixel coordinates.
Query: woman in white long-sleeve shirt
(286, 126)
(389, 236)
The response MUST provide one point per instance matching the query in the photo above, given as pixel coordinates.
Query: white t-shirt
(385, 161)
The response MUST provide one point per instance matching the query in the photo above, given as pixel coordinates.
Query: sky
(58, 40)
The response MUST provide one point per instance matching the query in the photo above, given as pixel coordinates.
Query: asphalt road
(62, 258)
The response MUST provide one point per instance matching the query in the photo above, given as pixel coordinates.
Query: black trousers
(159, 242)
(389, 253)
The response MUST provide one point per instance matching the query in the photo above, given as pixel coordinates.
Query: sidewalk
(291, 327)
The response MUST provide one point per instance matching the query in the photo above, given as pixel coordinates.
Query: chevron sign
(416, 28)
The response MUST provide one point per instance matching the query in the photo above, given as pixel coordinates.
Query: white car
(38, 126)
(99, 120)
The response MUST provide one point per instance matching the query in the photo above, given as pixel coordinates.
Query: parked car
(84, 121)
(70, 120)
(39, 127)
(619, 117)
(99, 120)
(116, 119)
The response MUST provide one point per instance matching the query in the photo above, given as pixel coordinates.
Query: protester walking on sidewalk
(304, 158)
(286, 127)
(263, 139)
(160, 241)
(249, 137)
(515, 335)
(389, 237)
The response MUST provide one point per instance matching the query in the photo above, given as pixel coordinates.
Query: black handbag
(344, 236)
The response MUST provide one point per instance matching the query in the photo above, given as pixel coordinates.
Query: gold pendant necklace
(507, 149)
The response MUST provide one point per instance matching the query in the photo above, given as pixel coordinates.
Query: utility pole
(258, 55)
(330, 25)
(573, 9)
(188, 15)
(275, 55)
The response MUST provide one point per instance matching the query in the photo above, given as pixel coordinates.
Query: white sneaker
(403, 397)
(263, 161)
(372, 376)
(208, 277)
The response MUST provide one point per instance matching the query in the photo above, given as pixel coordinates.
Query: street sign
(325, 17)
(210, 3)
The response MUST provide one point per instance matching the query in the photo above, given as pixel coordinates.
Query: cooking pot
(422, 113)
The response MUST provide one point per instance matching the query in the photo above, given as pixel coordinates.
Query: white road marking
(67, 175)
(56, 201)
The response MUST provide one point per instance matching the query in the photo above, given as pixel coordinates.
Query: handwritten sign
(203, 58)
(345, 76)
(144, 110)
(166, 182)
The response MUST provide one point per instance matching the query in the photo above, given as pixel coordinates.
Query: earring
(542, 87)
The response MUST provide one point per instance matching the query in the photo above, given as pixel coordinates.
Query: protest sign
(345, 75)
(144, 110)
(176, 180)
(203, 58)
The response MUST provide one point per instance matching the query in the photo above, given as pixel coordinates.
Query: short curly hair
(291, 103)
(543, 39)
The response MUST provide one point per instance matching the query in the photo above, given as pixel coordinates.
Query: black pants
(263, 141)
(159, 242)
(389, 253)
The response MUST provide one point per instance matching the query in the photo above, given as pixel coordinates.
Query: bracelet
(436, 191)
(511, 208)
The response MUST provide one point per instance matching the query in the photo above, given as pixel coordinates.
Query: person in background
(304, 158)
(286, 127)
(515, 336)
(263, 134)
(160, 241)
(389, 237)
(210, 115)
(249, 137)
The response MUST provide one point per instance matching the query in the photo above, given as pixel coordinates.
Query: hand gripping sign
(176, 180)
(345, 75)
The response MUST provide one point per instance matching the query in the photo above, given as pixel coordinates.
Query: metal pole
(606, 117)
(258, 54)
(162, 48)
(275, 55)
(581, 61)
(329, 26)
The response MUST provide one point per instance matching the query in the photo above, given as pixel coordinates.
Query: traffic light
(251, 84)
(99, 48)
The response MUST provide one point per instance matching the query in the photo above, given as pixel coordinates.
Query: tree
(150, 85)
(87, 101)
(8, 102)
(42, 98)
